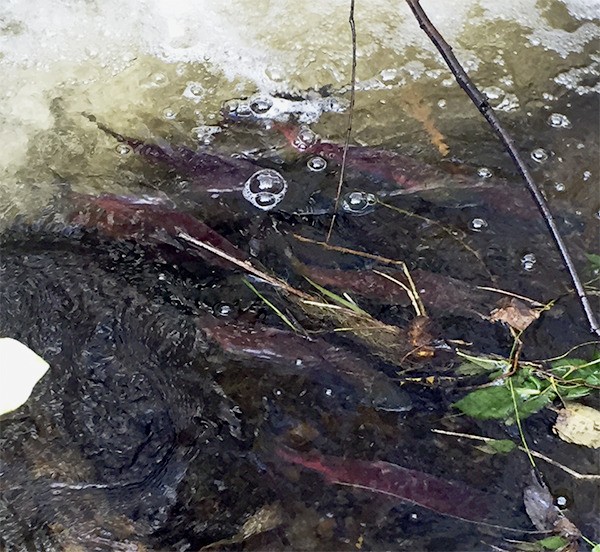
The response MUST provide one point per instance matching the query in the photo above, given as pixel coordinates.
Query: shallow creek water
(154, 429)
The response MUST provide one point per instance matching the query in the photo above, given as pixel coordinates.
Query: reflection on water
(159, 424)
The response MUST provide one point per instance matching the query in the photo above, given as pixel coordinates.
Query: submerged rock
(128, 440)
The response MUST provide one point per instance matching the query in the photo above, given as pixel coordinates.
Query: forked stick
(486, 110)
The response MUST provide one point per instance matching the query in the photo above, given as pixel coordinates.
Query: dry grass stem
(573, 473)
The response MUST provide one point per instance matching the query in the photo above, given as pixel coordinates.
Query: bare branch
(350, 116)
(486, 110)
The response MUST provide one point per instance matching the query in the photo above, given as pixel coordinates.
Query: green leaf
(502, 446)
(482, 365)
(337, 298)
(553, 543)
(594, 260)
(486, 404)
(283, 317)
(497, 403)
(573, 392)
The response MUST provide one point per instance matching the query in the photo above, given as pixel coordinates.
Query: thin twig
(539, 455)
(486, 110)
(350, 115)
(247, 266)
(450, 232)
(532, 302)
(341, 249)
(413, 295)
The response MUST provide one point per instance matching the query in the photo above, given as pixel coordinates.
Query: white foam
(98, 53)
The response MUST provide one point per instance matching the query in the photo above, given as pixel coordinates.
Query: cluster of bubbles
(206, 133)
(500, 99)
(281, 109)
(265, 189)
(358, 203)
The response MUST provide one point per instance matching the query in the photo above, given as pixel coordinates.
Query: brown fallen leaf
(421, 111)
(545, 516)
(515, 313)
(579, 424)
(265, 519)
(539, 505)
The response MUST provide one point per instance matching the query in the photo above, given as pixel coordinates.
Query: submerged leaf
(553, 543)
(475, 366)
(515, 313)
(579, 424)
(497, 403)
(594, 260)
(488, 403)
(502, 446)
(337, 298)
(539, 505)
(266, 519)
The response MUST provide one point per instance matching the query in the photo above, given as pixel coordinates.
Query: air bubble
(316, 164)
(123, 149)
(265, 200)
(478, 224)
(305, 139)
(558, 120)
(260, 106)
(388, 74)
(158, 79)
(243, 110)
(358, 203)
(560, 187)
(561, 501)
(169, 114)
(193, 91)
(230, 107)
(528, 261)
(266, 181)
(265, 189)
(484, 172)
(539, 155)
(223, 309)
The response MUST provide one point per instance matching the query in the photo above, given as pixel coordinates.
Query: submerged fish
(448, 498)
(207, 172)
(151, 222)
(408, 176)
(441, 294)
(406, 173)
(297, 354)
